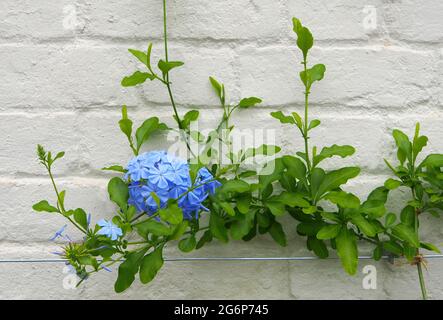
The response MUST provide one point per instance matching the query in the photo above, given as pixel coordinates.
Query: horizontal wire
(430, 256)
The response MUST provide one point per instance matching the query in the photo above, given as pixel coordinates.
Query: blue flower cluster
(168, 177)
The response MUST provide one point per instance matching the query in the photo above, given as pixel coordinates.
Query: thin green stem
(422, 281)
(419, 262)
(165, 30)
(60, 205)
(168, 83)
(305, 133)
(141, 215)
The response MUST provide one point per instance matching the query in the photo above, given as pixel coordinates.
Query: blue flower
(136, 170)
(168, 178)
(59, 234)
(136, 198)
(161, 176)
(207, 179)
(109, 229)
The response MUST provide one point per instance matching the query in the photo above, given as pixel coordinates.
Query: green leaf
(283, 118)
(277, 233)
(227, 207)
(310, 210)
(81, 218)
(419, 142)
(172, 214)
(407, 216)
(277, 168)
(335, 179)
(378, 253)
(59, 155)
(296, 25)
(243, 203)
(313, 124)
(298, 120)
(403, 144)
(406, 233)
(316, 73)
(116, 168)
(154, 227)
(364, 225)
(433, 160)
(189, 117)
(317, 177)
(217, 227)
(429, 246)
(61, 200)
(150, 265)
(165, 67)
(238, 186)
(125, 123)
(305, 40)
(136, 78)
(127, 270)
(188, 244)
(277, 208)
(242, 226)
(343, 199)
(179, 230)
(379, 194)
(291, 199)
(390, 219)
(329, 232)
(118, 192)
(206, 237)
(217, 87)
(347, 250)
(374, 208)
(331, 216)
(318, 246)
(334, 150)
(249, 102)
(309, 228)
(296, 168)
(141, 56)
(264, 149)
(392, 184)
(148, 127)
(393, 247)
(44, 206)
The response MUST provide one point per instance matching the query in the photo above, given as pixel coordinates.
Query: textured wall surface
(61, 62)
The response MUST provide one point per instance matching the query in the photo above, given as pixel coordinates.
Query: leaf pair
(139, 77)
(148, 265)
(142, 134)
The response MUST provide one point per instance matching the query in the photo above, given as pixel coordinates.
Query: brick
(68, 77)
(379, 76)
(38, 19)
(190, 83)
(22, 224)
(405, 20)
(22, 132)
(338, 19)
(258, 19)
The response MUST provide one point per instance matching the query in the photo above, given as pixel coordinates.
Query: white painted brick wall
(60, 87)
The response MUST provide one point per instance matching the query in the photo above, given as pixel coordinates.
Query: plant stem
(60, 203)
(419, 267)
(305, 133)
(165, 29)
(167, 82)
(422, 282)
